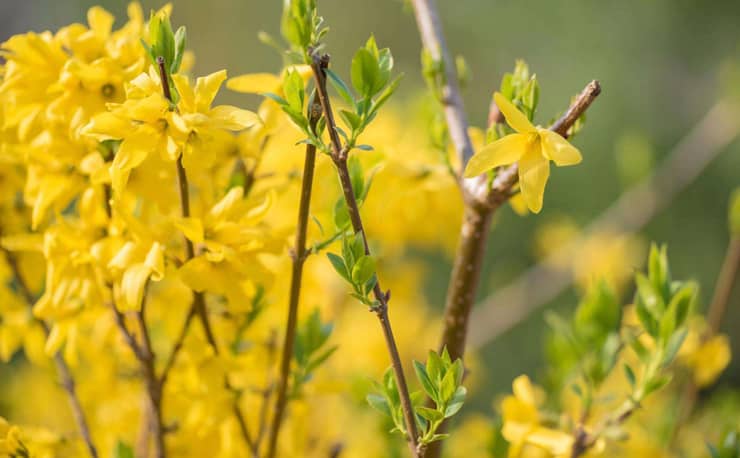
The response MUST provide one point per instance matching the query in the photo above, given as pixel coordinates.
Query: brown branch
(339, 157)
(65, 374)
(474, 233)
(299, 255)
(479, 207)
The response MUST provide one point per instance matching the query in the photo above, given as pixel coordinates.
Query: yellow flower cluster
(91, 221)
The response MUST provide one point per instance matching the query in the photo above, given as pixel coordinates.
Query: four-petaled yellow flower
(532, 147)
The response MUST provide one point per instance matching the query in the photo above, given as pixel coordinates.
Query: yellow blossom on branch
(532, 147)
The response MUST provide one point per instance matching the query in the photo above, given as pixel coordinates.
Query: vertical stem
(464, 280)
(299, 255)
(339, 157)
(381, 312)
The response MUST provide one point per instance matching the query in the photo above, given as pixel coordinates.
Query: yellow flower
(146, 124)
(533, 147)
(228, 244)
(522, 426)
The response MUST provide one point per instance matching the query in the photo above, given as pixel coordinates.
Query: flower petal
(187, 96)
(192, 228)
(132, 287)
(503, 151)
(107, 126)
(100, 20)
(514, 117)
(558, 149)
(155, 261)
(206, 88)
(232, 118)
(254, 83)
(534, 170)
(133, 151)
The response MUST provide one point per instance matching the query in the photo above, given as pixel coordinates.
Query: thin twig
(339, 157)
(299, 255)
(65, 374)
(628, 214)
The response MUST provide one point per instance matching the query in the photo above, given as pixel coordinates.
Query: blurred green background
(660, 62)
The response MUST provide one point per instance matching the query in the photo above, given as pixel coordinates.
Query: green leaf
(426, 382)
(294, 91)
(341, 87)
(386, 94)
(385, 65)
(339, 265)
(681, 303)
(639, 349)
(658, 270)
(649, 323)
(651, 297)
(447, 386)
(276, 98)
(379, 403)
(357, 176)
(357, 245)
(341, 214)
(180, 39)
(352, 120)
(365, 72)
(656, 384)
(432, 415)
(673, 346)
(455, 404)
(363, 270)
(434, 366)
(439, 437)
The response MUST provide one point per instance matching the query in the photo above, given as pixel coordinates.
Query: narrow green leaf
(365, 72)
(432, 415)
(455, 404)
(340, 87)
(426, 383)
(379, 403)
(338, 264)
(363, 270)
(673, 346)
